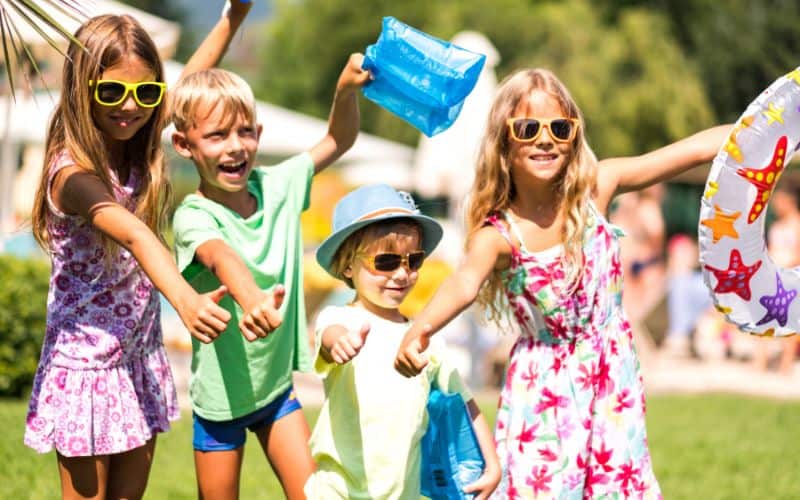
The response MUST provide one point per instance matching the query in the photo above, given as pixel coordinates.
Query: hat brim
(431, 236)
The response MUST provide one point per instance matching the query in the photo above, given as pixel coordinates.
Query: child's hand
(486, 484)
(353, 76)
(347, 346)
(410, 359)
(237, 9)
(264, 318)
(202, 315)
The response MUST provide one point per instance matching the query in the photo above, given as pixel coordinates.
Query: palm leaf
(40, 16)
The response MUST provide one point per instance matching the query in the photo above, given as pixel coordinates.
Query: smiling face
(121, 122)
(382, 292)
(223, 150)
(544, 159)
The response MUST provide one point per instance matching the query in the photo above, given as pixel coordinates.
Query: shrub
(23, 301)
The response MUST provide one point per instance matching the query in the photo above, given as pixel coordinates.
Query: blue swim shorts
(230, 434)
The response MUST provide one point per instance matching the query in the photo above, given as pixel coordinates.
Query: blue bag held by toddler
(451, 457)
(421, 79)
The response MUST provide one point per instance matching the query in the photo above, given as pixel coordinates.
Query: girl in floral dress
(571, 420)
(103, 388)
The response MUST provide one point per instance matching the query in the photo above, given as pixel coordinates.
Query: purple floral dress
(571, 418)
(103, 384)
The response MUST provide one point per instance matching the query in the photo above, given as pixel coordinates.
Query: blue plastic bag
(451, 456)
(421, 79)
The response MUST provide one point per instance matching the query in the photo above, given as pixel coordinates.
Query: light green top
(232, 377)
(366, 441)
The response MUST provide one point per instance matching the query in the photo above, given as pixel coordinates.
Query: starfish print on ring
(736, 278)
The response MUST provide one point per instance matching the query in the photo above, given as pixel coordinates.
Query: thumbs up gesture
(348, 344)
(204, 319)
(264, 317)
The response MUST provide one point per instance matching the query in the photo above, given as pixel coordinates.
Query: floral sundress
(571, 417)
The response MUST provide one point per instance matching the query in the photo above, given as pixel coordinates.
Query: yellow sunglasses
(114, 92)
(389, 262)
(529, 129)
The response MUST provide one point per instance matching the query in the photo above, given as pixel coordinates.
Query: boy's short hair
(207, 89)
(363, 238)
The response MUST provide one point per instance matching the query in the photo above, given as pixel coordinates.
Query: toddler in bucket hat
(367, 205)
(367, 441)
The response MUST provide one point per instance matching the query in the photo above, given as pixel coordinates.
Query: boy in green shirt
(241, 229)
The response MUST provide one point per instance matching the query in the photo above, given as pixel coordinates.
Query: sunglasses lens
(561, 129)
(387, 261)
(525, 128)
(415, 260)
(110, 92)
(149, 93)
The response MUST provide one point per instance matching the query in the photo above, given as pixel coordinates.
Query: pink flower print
(547, 454)
(539, 479)
(624, 400)
(555, 323)
(529, 377)
(564, 429)
(35, 422)
(616, 268)
(81, 310)
(605, 384)
(627, 475)
(82, 240)
(550, 400)
(77, 446)
(101, 319)
(130, 324)
(526, 435)
(602, 457)
(100, 386)
(593, 478)
(61, 379)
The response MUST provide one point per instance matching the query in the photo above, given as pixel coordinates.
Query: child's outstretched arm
(485, 249)
(261, 309)
(619, 175)
(340, 345)
(211, 50)
(78, 192)
(345, 119)
(485, 485)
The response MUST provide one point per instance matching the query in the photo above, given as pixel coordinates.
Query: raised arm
(344, 120)
(211, 50)
(84, 194)
(261, 309)
(619, 175)
(457, 292)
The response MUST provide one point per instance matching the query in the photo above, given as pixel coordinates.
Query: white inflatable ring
(754, 293)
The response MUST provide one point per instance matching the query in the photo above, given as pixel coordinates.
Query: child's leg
(218, 473)
(285, 443)
(129, 471)
(83, 477)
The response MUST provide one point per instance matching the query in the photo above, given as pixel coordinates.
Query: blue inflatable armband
(421, 79)
(451, 457)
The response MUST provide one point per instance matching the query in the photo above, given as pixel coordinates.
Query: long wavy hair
(494, 190)
(105, 41)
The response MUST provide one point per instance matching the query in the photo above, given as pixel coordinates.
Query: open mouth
(233, 168)
(125, 121)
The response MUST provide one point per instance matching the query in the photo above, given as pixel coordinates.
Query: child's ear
(348, 272)
(181, 144)
(259, 129)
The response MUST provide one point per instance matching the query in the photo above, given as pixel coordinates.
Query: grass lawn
(707, 447)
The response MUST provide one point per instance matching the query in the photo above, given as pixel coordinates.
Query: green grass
(709, 447)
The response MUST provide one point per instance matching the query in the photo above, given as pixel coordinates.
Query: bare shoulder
(488, 243)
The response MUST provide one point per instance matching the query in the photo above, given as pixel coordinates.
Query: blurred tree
(739, 46)
(629, 77)
(173, 11)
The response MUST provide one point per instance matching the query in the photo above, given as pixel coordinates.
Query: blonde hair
(105, 41)
(381, 235)
(206, 90)
(493, 189)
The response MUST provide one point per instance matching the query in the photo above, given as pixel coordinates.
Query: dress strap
(495, 221)
(517, 232)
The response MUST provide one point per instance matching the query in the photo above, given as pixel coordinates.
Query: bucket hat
(368, 205)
